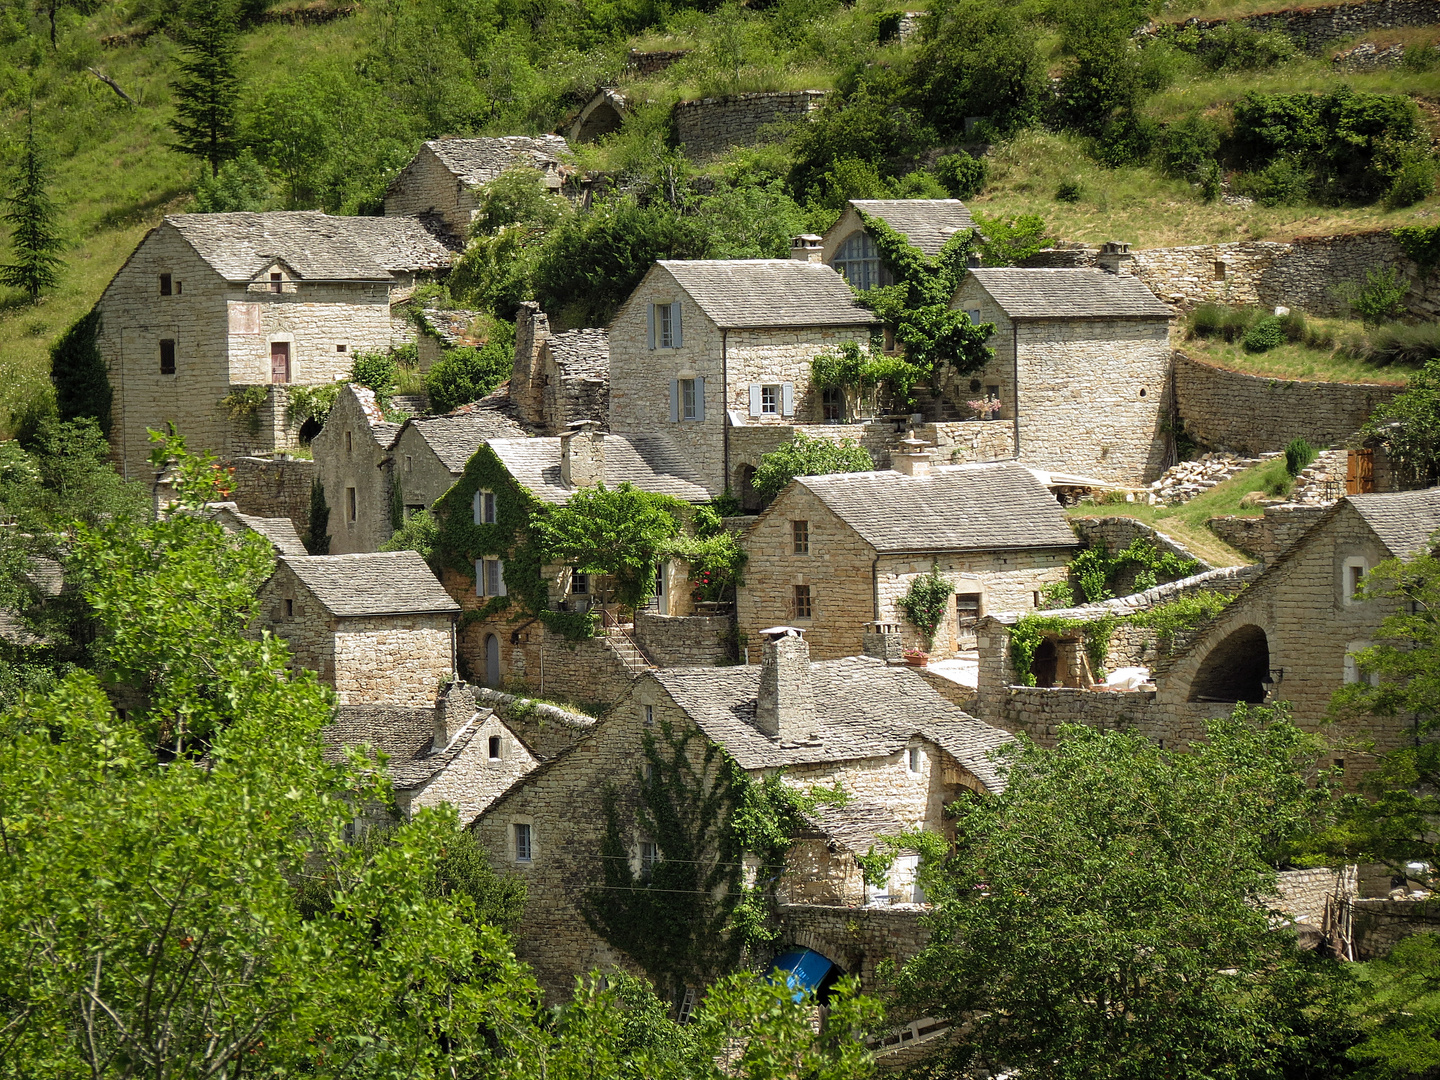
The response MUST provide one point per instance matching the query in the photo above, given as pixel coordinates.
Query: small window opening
(409, 463)
(802, 602)
(649, 715)
(275, 282)
(179, 287)
(967, 609)
(494, 747)
(769, 400)
(524, 849)
(801, 531)
(1142, 391)
(1340, 765)
(340, 348)
(832, 402)
(166, 285)
(352, 505)
(580, 584)
(665, 325)
(649, 856)
(167, 356)
(483, 508)
(1219, 269)
(349, 442)
(289, 609)
(914, 759)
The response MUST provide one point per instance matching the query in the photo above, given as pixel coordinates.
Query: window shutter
(787, 399)
(479, 577)
(674, 400)
(754, 399)
(650, 322)
(475, 508)
(675, 324)
(500, 589)
(699, 395)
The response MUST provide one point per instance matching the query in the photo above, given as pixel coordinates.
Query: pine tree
(317, 536)
(207, 88)
(31, 217)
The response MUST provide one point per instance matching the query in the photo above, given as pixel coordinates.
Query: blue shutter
(650, 322)
(674, 400)
(754, 399)
(500, 589)
(699, 398)
(787, 399)
(475, 508)
(675, 325)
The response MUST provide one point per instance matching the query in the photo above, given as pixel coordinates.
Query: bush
(807, 456)
(1299, 456)
(465, 375)
(1281, 183)
(1266, 334)
(980, 59)
(1219, 321)
(1233, 46)
(1380, 299)
(1414, 182)
(1188, 147)
(1067, 191)
(374, 370)
(962, 175)
(1292, 325)
(241, 184)
(1401, 344)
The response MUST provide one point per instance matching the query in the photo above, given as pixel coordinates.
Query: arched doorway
(492, 661)
(308, 430)
(1237, 669)
(1046, 665)
(807, 970)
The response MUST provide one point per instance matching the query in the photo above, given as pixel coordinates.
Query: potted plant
(916, 657)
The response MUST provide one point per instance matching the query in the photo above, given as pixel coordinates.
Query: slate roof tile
(926, 223)
(739, 293)
(1069, 294)
(649, 462)
(1404, 520)
(865, 708)
(582, 354)
(950, 508)
(404, 735)
(279, 531)
(478, 161)
(373, 583)
(316, 246)
(455, 438)
(857, 825)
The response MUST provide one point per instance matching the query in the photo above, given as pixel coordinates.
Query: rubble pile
(1181, 483)
(1323, 482)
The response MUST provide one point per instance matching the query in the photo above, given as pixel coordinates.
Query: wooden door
(280, 361)
(1359, 472)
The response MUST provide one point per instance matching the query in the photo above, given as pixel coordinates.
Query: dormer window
(276, 281)
(859, 261)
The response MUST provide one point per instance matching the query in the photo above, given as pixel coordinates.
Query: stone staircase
(629, 653)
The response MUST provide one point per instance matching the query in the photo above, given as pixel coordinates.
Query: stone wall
(349, 452)
(969, 441)
(392, 659)
(1269, 535)
(1313, 28)
(1117, 533)
(473, 779)
(422, 476)
(1251, 414)
(274, 487)
(684, 641)
(426, 186)
(546, 729)
(858, 940)
(1304, 895)
(1379, 925)
(748, 444)
(707, 128)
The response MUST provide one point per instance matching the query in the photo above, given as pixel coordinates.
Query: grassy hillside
(367, 89)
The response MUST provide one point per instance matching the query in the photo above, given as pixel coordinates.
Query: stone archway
(603, 114)
(1236, 669)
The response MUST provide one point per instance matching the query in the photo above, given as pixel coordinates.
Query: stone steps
(635, 661)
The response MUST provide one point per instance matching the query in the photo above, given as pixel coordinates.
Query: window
(1340, 765)
(772, 399)
(489, 577)
(482, 508)
(665, 325)
(340, 348)
(973, 314)
(524, 849)
(769, 400)
(832, 401)
(993, 392)
(409, 463)
(167, 356)
(1353, 573)
(579, 584)
(802, 601)
(649, 856)
(800, 531)
(913, 759)
(1353, 672)
(276, 282)
(687, 400)
(859, 261)
(352, 506)
(1219, 269)
(179, 287)
(494, 747)
(660, 581)
(166, 287)
(349, 442)
(649, 715)
(289, 608)
(967, 609)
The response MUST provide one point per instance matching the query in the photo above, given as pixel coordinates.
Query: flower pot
(916, 659)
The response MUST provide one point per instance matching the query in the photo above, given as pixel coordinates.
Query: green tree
(464, 375)
(241, 184)
(617, 531)
(1408, 427)
(1401, 1012)
(207, 84)
(317, 532)
(859, 373)
(1107, 914)
(980, 59)
(34, 240)
(806, 455)
(1008, 240)
(78, 373)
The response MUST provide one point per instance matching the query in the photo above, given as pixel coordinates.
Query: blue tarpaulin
(803, 969)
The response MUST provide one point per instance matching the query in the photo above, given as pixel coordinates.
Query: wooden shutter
(479, 577)
(787, 399)
(675, 341)
(755, 399)
(699, 394)
(1359, 471)
(475, 508)
(674, 401)
(650, 323)
(500, 589)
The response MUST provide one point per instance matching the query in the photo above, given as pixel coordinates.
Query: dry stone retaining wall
(709, 127)
(684, 641)
(1267, 537)
(1313, 28)
(1379, 925)
(1117, 533)
(1251, 413)
(274, 487)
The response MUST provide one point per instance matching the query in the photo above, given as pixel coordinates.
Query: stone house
(1081, 368)
(834, 554)
(926, 223)
(702, 348)
(281, 533)
(350, 454)
(877, 730)
(429, 453)
(559, 379)
(444, 176)
(210, 304)
(377, 627)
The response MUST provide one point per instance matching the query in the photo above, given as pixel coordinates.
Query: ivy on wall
(927, 602)
(1096, 571)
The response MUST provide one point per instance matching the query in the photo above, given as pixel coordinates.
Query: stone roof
(864, 708)
(926, 223)
(315, 246)
(582, 354)
(1068, 294)
(1404, 521)
(1226, 579)
(738, 293)
(950, 508)
(404, 735)
(455, 438)
(373, 583)
(451, 326)
(857, 825)
(279, 531)
(478, 161)
(649, 462)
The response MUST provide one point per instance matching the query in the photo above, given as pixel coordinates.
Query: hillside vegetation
(1135, 144)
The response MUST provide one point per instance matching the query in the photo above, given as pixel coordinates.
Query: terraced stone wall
(710, 126)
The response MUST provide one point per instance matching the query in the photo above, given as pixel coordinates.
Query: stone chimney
(452, 712)
(1113, 255)
(913, 456)
(527, 382)
(785, 709)
(806, 248)
(883, 641)
(582, 454)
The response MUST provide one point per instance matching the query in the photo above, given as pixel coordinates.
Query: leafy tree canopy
(1408, 427)
(806, 455)
(619, 531)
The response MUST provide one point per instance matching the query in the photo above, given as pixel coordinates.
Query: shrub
(962, 175)
(465, 375)
(926, 603)
(1067, 191)
(1188, 147)
(1220, 321)
(1420, 58)
(1299, 456)
(1380, 299)
(1292, 325)
(1401, 344)
(1265, 335)
(1281, 183)
(980, 59)
(807, 456)
(1413, 182)
(1233, 46)
(374, 370)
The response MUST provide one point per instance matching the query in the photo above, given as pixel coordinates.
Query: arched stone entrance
(1237, 669)
(602, 114)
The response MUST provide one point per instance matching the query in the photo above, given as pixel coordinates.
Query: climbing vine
(244, 404)
(1181, 614)
(1031, 629)
(875, 864)
(690, 915)
(1096, 571)
(927, 602)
